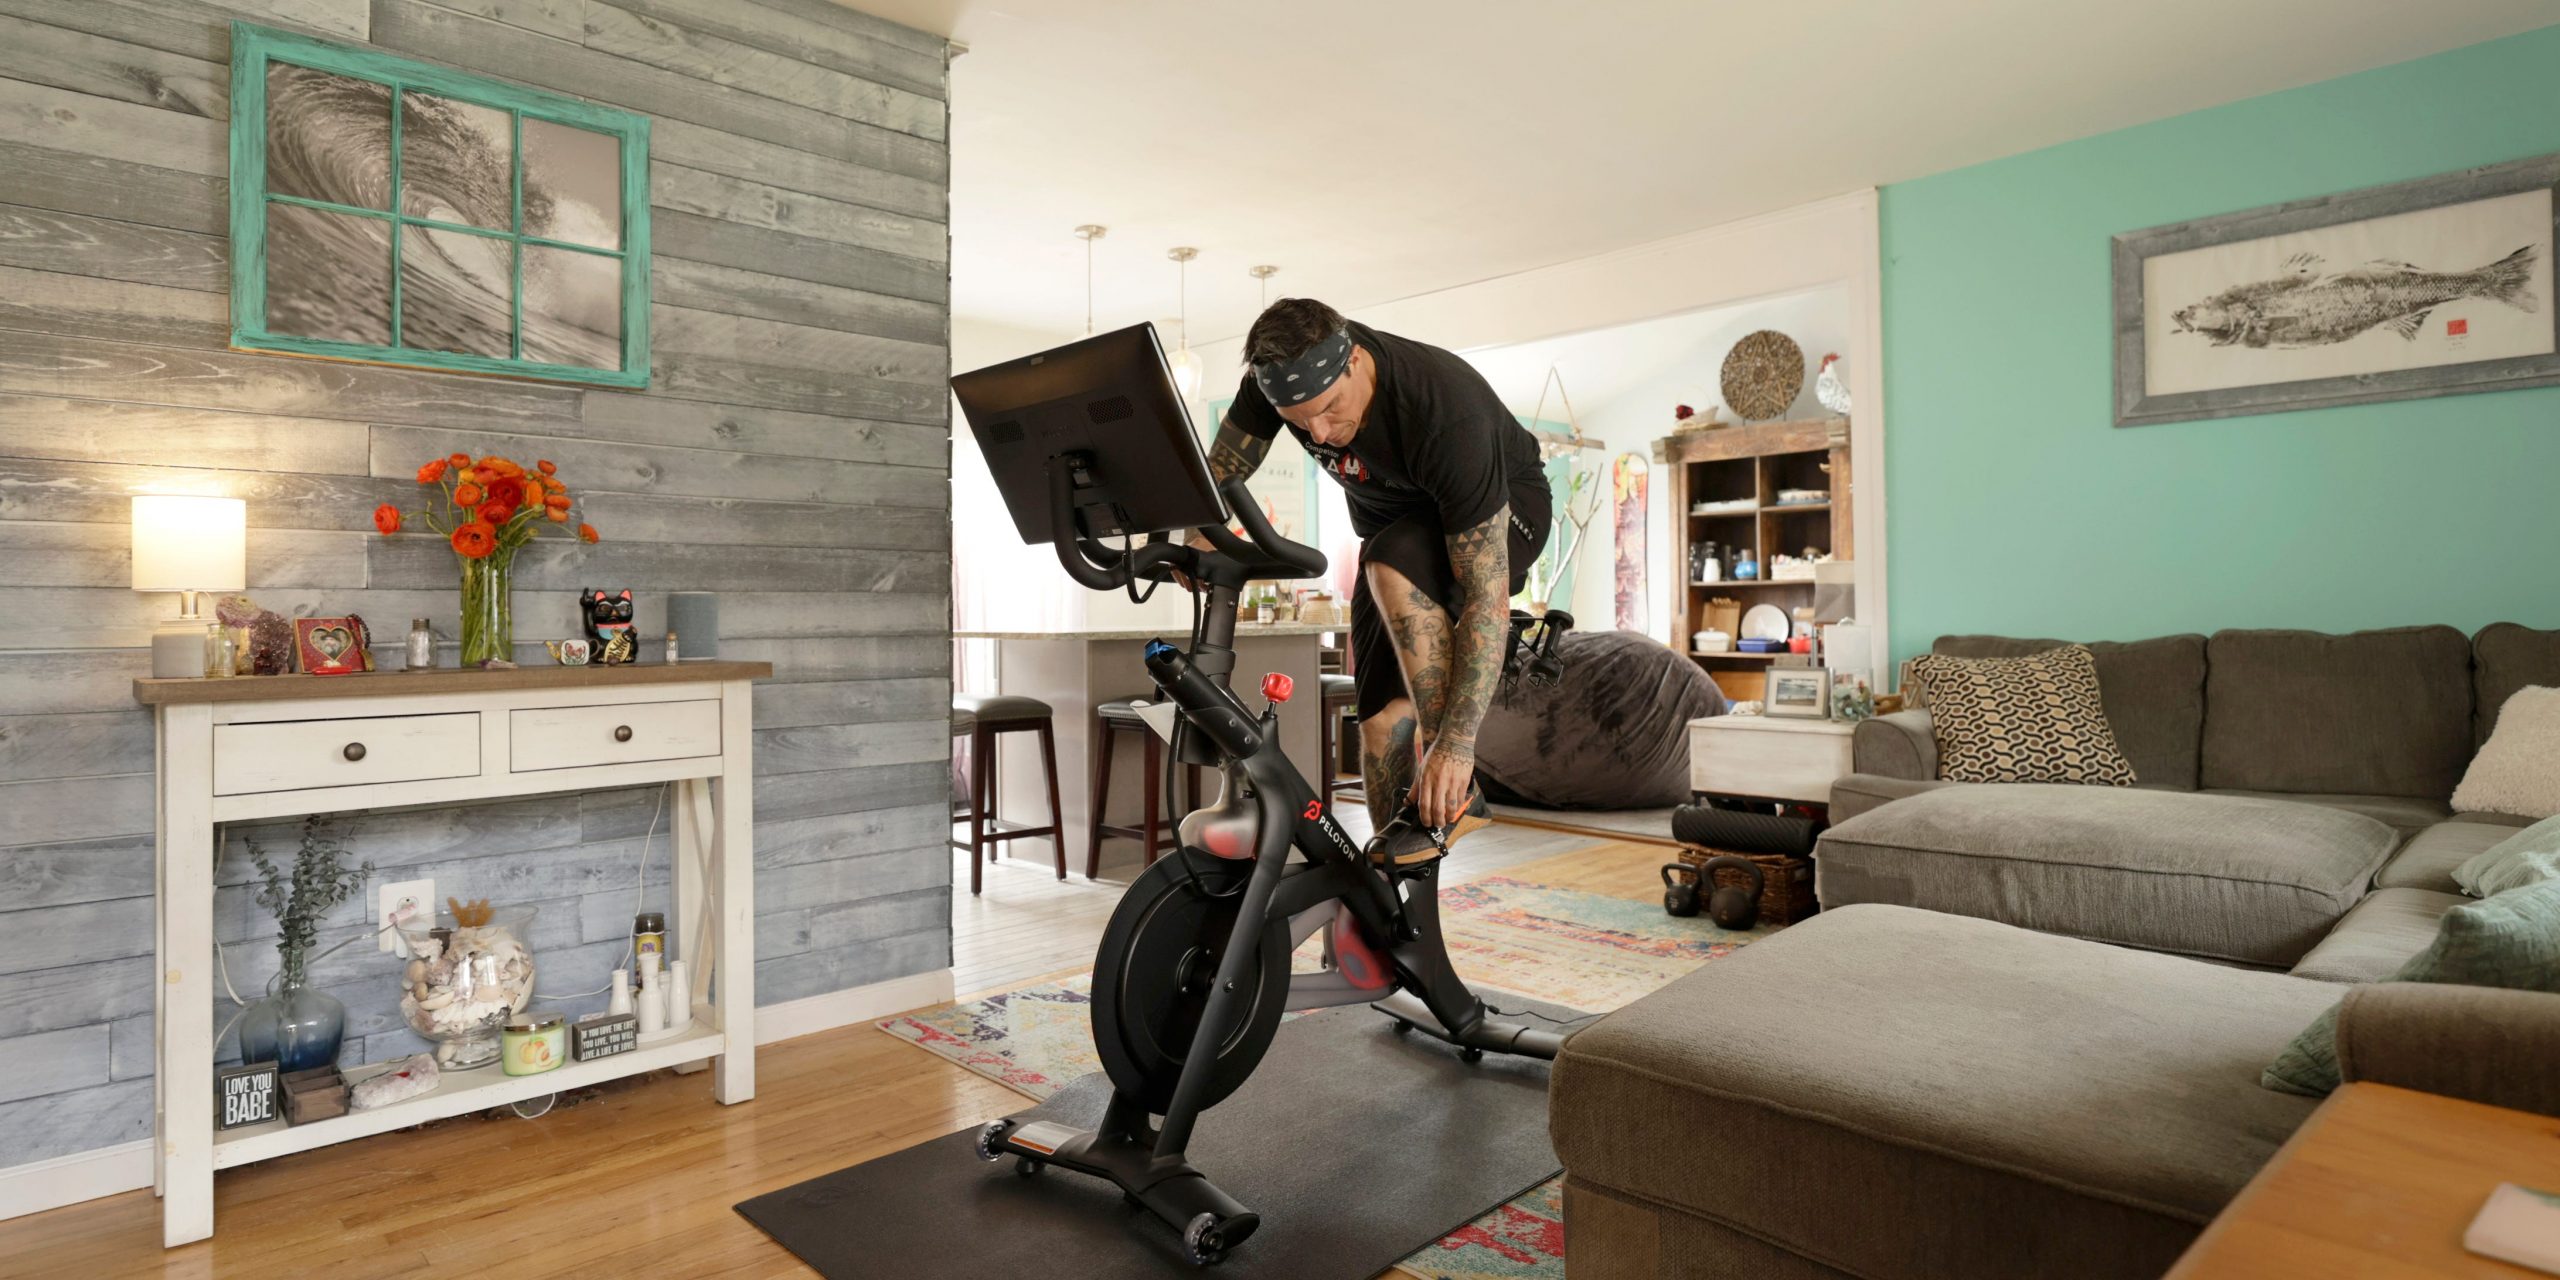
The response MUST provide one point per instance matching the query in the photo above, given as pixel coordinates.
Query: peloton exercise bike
(1091, 441)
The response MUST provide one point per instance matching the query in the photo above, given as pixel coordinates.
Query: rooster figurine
(1829, 389)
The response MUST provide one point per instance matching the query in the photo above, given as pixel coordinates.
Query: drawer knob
(354, 751)
(622, 733)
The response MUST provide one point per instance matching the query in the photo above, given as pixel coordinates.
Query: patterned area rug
(1587, 950)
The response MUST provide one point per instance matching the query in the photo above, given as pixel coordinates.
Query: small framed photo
(1802, 692)
(332, 646)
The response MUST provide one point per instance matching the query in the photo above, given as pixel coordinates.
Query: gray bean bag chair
(1611, 733)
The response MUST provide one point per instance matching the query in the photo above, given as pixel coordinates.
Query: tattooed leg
(1386, 759)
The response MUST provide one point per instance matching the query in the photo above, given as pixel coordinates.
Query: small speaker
(695, 618)
(1110, 409)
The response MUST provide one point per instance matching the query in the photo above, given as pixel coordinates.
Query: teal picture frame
(255, 48)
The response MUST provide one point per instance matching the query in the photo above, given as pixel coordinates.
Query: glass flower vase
(297, 1027)
(488, 607)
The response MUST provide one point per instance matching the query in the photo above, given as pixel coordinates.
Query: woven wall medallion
(1762, 375)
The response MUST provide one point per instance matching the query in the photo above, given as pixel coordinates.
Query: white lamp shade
(1186, 372)
(185, 543)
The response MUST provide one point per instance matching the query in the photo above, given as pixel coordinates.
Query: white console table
(253, 748)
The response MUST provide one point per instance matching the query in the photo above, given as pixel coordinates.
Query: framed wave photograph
(389, 211)
(2427, 288)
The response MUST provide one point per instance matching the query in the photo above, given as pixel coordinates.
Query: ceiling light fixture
(1089, 233)
(1186, 366)
(1264, 273)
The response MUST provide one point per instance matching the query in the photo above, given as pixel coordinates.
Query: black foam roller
(1743, 832)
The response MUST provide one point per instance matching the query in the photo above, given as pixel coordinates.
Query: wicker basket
(1786, 883)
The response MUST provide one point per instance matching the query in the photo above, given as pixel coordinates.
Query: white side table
(260, 747)
(1768, 757)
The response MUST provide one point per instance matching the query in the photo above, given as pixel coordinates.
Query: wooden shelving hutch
(1752, 463)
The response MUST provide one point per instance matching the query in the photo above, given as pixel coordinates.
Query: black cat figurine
(608, 618)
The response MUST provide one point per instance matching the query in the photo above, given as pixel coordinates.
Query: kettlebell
(1679, 897)
(1731, 906)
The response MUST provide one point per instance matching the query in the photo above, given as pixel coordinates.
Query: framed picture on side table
(1801, 692)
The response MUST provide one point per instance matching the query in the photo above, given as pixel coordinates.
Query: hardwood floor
(638, 1177)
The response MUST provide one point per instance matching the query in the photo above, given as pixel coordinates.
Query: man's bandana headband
(1296, 381)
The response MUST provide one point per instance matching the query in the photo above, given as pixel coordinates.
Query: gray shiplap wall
(792, 454)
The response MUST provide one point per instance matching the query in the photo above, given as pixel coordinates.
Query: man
(1449, 496)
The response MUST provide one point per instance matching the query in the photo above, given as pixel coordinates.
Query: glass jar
(422, 646)
(534, 1043)
(648, 937)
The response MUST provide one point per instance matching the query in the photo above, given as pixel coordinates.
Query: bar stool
(982, 719)
(1110, 720)
(1341, 694)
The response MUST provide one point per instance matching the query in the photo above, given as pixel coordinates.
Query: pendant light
(1186, 366)
(1262, 274)
(1089, 233)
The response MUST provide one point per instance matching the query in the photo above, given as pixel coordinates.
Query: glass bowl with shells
(469, 971)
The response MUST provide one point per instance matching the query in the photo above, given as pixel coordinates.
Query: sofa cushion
(2378, 936)
(2252, 881)
(2511, 940)
(2408, 815)
(1870, 1087)
(2428, 860)
(2031, 719)
(2154, 691)
(2373, 713)
(2506, 657)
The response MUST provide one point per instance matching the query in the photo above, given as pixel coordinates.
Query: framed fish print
(2427, 288)
(394, 212)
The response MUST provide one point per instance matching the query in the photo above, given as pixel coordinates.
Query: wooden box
(1786, 883)
(317, 1094)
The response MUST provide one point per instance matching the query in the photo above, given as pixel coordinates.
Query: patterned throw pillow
(2510, 940)
(2031, 719)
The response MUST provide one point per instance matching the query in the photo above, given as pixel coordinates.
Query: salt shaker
(671, 646)
(422, 646)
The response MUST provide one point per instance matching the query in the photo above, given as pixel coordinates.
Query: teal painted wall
(2016, 508)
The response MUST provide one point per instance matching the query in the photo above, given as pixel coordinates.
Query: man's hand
(1444, 772)
(1233, 455)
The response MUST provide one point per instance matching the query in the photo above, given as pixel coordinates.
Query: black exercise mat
(1356, 1145)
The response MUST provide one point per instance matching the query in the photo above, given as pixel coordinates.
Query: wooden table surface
(2381, 1182)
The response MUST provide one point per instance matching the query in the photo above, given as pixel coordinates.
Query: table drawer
(298, 755)
(626, 733)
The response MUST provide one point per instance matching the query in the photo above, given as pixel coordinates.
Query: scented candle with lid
(534, 1043)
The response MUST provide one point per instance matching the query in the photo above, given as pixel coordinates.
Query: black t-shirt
(1437, 440)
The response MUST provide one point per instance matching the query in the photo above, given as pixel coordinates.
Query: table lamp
(187, 544)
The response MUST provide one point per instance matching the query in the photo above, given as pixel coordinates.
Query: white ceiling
(1380, 150)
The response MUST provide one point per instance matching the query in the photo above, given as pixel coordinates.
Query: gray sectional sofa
(2023, 1038)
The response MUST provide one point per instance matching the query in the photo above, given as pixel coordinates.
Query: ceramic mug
(569, 653)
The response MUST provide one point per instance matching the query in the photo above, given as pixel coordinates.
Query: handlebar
(1106, 568)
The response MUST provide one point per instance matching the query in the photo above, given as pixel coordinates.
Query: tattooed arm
(1236, 452)
(1481, 558)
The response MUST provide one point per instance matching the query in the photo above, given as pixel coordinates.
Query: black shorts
(1418, 548)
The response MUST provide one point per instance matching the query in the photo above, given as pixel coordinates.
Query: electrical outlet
(416, 895)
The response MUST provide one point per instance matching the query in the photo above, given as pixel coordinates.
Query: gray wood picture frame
(2134, 408)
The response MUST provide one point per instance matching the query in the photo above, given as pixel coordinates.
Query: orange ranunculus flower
(496, 512)
(467, 494)
(498, 466)
(387, 518)
(558, 514)
(534, 491)
(432, 472)
(587, 533)
(547, 467)
(558, 501)
(460, 459)
(506, 491)
(475, 540)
